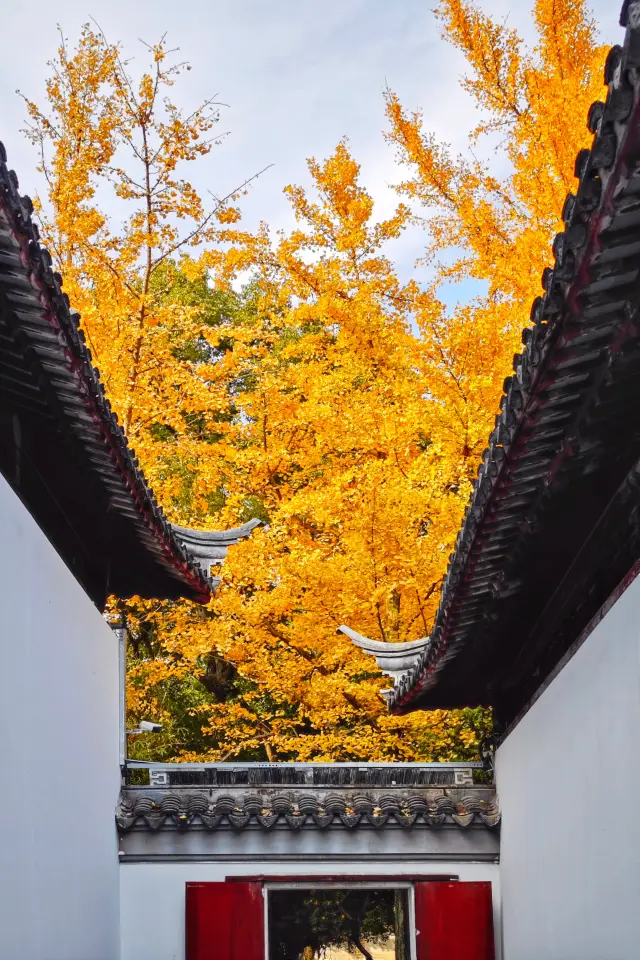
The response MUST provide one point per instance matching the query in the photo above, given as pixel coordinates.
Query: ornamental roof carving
(395, 660)
(148, 808)
(208, 548)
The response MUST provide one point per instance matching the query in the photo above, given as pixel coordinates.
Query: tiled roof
(569, 428)
(79, 452)
(179, 808)
(312, 775)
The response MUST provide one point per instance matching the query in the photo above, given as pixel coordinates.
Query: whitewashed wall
(153, 894)
(569, 780)
(58, 755)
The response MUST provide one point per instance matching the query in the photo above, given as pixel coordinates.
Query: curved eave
(211, 539)
(47, 378)
(210, 547)
(567, 412)
(156, 809)
(393, 659)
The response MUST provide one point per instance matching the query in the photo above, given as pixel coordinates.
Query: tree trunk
(363, 950)
(400, 924)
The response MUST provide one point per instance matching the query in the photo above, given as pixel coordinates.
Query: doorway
(249, 919)
(362, 921)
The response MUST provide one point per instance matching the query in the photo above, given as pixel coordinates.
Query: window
(390, 920)
(366, 921)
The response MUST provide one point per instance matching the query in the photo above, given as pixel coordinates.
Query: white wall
(152, 894)
(569, 781)
(58, 755)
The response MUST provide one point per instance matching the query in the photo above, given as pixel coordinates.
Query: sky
(297, 75)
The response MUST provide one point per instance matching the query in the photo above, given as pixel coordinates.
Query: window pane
(338, 924)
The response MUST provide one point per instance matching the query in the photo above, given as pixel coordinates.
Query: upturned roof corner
(565, 449)
(95, 504)
(396, 660)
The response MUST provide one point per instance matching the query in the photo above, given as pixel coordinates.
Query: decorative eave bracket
(208, 548)
(394, 659)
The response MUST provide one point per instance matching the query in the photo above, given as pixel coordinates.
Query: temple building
(532, 853)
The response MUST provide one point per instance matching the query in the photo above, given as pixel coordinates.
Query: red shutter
(454, 921)
(224, 921)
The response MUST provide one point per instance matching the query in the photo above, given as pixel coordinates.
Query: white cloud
(298, 76)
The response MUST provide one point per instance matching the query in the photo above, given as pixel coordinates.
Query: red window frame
(226, 920)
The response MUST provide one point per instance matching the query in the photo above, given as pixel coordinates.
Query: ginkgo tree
(532, 107)
(109, 141)
(331, 438)
(345, 408)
